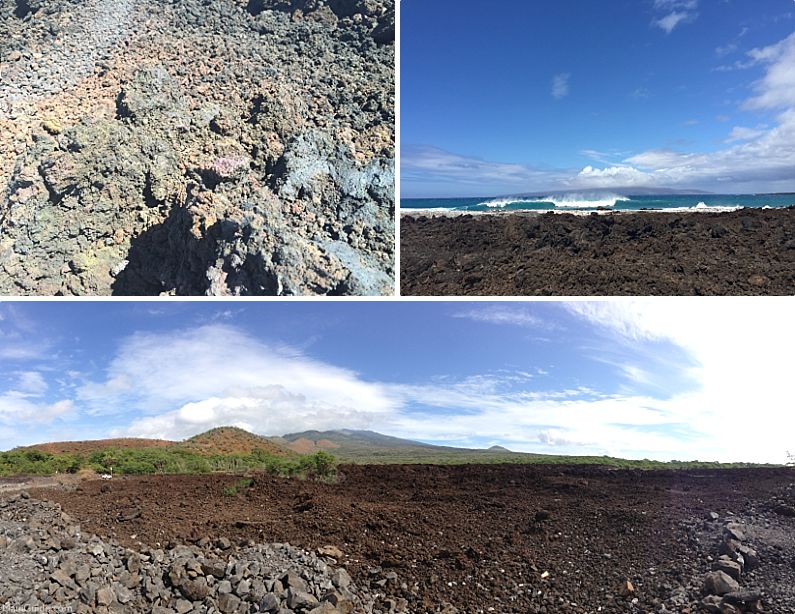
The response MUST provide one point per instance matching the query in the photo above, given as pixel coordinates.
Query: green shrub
(318, 466)
(136, 467)
(231, 491)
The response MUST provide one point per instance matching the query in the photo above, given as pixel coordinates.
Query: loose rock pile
(722, 585)
(749, 569)
(222, 148)
(45, 560)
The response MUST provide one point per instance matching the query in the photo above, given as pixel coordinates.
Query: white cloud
(667, 5)
(560, 86)
(677, 11)
(741, 348)
(216, 373)
(670, 21)
(32, 383)
(16, 410)
(637, 374)
(24, 405)
(580, 422)
(270, 410)
(21, 351)
(776, 90)
(759, 159)
(554, 437)
(515, 315)
(467, 175)
(740, 133)
(657, 158)
(609, 177)
(738, 353)
(725, 50)
(17, 343)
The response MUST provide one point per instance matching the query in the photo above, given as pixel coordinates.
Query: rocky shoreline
(431, 213)
(745, 252)
(223, 148)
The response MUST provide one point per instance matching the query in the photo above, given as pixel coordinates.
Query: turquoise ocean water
(585, 202)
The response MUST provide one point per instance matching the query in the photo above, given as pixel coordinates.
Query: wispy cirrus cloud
(741, 133)
(561, 86)
(429, 169)
(675, 12)
(670, 21)
(514, 315)
(17, 343)
(25, 409)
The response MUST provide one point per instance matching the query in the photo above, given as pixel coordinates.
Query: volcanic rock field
(469, 539)
(646, 253)
(188, 147)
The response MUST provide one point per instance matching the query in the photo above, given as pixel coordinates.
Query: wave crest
(566, 201)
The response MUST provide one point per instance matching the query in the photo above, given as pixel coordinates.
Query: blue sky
(572, 95)
(660, 379)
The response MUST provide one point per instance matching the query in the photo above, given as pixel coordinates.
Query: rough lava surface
(648, 253)
(505, 539)
(197, 148)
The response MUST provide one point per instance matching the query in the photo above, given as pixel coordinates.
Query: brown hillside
(232, 440)
(222, 440)
(304, 445)
(97, 445)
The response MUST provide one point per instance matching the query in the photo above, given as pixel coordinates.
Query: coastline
(439, 212)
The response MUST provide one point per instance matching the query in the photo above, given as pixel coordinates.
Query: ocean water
(612, 202)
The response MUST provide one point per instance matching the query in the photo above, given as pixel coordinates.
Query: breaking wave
(566, 201)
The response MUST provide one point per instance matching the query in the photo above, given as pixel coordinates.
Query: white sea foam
(701, 207)
(427, 209)
(566, 201)
(585, 201)
(499, 203)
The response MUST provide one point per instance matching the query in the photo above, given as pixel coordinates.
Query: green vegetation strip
(488, 457)
(176, 460)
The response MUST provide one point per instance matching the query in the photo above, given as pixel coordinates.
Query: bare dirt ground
(499, 538)
(747, 252)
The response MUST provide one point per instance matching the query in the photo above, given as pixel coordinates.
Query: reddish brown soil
(307, 446)
(749, 252)
(469, 535)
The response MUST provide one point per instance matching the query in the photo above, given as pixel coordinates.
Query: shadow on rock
(170, 258)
